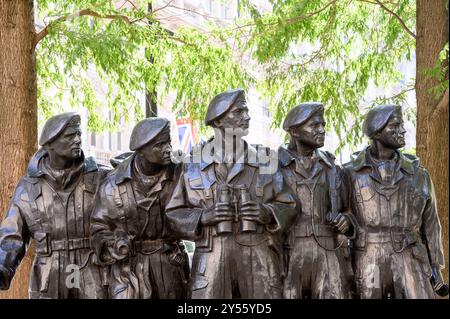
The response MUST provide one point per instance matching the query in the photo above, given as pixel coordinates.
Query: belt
(46, 247)
(148, 245)
(306, 230)
(71, 244)
(408, 238)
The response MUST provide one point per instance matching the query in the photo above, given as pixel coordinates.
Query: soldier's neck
(381, 152)
(304, 150)
(147, 168)
(58, 162)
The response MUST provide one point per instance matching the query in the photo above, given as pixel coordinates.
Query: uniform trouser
(382, 273)
(63, 276)
(239, 266)
(316, 273)
(149, 276)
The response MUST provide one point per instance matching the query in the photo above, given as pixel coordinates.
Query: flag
(185, 135)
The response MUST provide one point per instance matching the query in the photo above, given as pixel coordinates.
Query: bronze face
(236, 117)
(393, 134)
(158, 150)
(68, 144)
(312, 132)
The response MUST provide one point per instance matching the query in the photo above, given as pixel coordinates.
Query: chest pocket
(418, 197)
(366, 201)
(204, 192)
(37, 221)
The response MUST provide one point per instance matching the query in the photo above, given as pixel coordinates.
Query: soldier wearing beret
(234, 212)
(51, 205)
(398, 247)
(128, 225)
(319, 264)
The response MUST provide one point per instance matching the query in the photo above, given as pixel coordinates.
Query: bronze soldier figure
(128, 225)
(317, 250)
(233, 212)
(398, 246)
(51, 205)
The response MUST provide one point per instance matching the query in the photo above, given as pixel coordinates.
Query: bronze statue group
(306, 229)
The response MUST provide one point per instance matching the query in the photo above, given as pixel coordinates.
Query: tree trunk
(18, 116)
(432, 112)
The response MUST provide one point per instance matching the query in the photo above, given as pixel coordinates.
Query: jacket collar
(33, 166)
(124, 171)
(362, 160)
(90, 165)
(286, 156)
(206, 161)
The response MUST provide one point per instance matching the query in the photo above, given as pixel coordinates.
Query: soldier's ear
(293, 132)
(48, 146)
(376, 136)
(217, 123)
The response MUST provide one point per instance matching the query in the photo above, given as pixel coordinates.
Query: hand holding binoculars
(245, 210)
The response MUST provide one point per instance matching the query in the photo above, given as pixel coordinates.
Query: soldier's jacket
(318, 180)
(401, 217)
(197, 189)
(314, 270)
(58, 221)
(126, 209)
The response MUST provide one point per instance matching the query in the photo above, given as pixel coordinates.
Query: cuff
(5, 278)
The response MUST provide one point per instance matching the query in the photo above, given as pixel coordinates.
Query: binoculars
(225, 197)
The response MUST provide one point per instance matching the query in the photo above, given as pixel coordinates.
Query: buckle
(43, 246)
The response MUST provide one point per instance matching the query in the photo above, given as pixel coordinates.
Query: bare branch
(411, 88)
(206, 16)
(395, 15)
(163, 7)
(131, 2)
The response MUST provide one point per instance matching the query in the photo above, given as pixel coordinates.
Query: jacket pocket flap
(199, 282)
(196, 183)
(90, 188)
(39, 237)
(367, 192)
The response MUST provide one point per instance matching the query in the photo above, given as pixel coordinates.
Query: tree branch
(163, 7)
(384, 99)
(310, 14)
(84, 12)
(412, 88)
(206, 16)
(290, 20)
(442, 105)
(395, 15)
